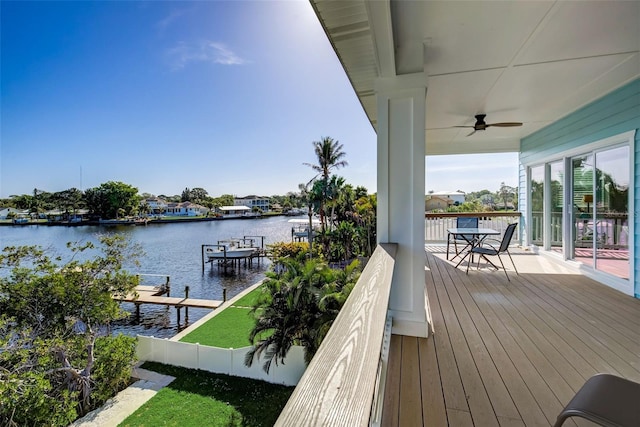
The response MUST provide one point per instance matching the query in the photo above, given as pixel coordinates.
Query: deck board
(508, 353)
(433, 410)
(475, 327)
(410, 413)
(391, 403)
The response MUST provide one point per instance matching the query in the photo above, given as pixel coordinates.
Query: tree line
(505, 198)
(115, 199)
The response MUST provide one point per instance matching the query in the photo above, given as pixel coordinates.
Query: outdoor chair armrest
(493, 246)
(482, 248)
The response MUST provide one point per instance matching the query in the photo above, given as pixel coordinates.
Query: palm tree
(330, 156)
(309, 196)
(334, 295)
(287, 311)
(334, 190)
(300, 302)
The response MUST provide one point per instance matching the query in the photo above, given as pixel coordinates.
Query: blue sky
(222, 95)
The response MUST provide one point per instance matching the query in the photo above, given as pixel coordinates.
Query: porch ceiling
(525, 61)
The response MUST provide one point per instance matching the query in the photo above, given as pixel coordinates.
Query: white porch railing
(339, 386)
(610, 230)
(436, 224)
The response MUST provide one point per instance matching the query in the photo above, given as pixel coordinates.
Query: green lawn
(230, 328)
(198, 398)
(249, 299)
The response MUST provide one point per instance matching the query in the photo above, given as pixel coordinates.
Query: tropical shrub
(293, 250)
(57, 359)
(298, 306)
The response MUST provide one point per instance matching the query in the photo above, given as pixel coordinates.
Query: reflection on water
(169, 249)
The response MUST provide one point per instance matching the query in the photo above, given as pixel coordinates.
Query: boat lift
(230, 252)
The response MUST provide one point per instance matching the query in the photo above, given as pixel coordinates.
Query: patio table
(473, 236)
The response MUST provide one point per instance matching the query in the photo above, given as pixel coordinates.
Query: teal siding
(616, 113)
(523, 201)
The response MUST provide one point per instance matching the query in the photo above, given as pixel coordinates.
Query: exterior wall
(185, 209)
(261, 203)
(523, 203)
(238, 210)
(455, 197)
(5, 212)
(611, 115)
(156, 205)
(437, 203)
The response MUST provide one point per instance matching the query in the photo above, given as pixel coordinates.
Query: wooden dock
(159, 295)
(153, 295)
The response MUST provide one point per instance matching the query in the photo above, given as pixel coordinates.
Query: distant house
(185, 209)
(13, 212)
(239, 211)
(251, 202)
(458, 197)
(55, 215)
(433, 203)
(157, 206)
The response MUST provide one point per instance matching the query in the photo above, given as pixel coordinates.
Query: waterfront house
(252, 202)
(13, 212)
(475, 349)
(55, 215)
(185, 209)
(238, 211)
(157, 206)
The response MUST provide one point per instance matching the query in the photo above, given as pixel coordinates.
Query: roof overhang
(516, 61)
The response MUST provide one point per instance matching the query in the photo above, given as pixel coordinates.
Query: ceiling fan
(482, 125)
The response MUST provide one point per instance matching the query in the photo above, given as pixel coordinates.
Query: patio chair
(606, 400)
(491, 250)
(462, 222)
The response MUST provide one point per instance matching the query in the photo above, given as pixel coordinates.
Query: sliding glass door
(556, 205)
(611, 218)
(582, 196)
(600, 194)
(579, 206)
(537, 205)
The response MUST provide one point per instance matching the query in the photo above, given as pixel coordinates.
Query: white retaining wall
(221, 360)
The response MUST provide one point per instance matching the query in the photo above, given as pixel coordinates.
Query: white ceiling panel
(476, 35)
(454, 99)
(578, 29)
(471, 145)
(525, 61)
(538, 90)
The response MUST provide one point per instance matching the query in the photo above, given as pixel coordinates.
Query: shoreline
(111, 223)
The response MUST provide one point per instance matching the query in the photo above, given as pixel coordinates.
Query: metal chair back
(508, 235)
(467, 222)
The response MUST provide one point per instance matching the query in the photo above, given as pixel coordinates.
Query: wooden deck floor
(508, 353)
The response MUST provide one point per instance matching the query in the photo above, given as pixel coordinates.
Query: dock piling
(186, 308)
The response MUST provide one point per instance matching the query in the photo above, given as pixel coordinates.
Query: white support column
(401, 172)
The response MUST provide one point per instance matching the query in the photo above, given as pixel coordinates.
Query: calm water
(170, 249)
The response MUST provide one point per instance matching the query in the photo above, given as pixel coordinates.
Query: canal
(169, 249)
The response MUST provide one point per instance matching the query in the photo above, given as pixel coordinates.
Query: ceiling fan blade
(462, 127)
(474, 131)
(505, 124)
